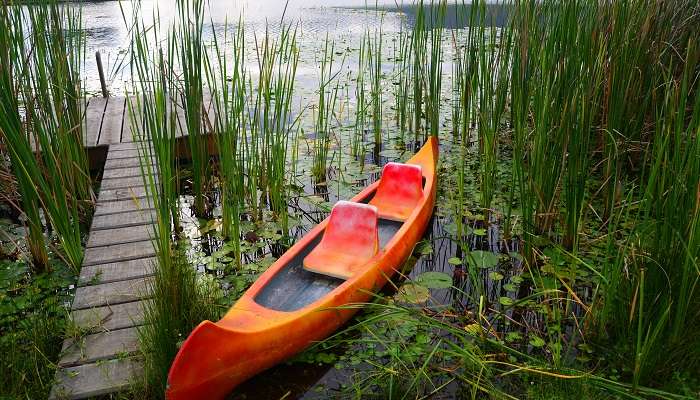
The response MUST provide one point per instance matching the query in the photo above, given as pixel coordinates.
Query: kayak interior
(293, 287)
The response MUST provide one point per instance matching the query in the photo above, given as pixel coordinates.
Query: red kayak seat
(400, 189)
(349, 241)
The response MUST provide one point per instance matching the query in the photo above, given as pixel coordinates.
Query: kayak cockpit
(354, 234)
(293, 287)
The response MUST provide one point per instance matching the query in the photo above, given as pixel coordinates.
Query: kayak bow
(299, 299)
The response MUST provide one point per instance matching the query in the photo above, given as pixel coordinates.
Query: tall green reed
(432, 69)
(271, 121)
(325, 111)
(44, 122)
(357, 142)
(374, 62)
(180, 299)
(419, 55)
(229, 129)
(662, 294)
(187, 43)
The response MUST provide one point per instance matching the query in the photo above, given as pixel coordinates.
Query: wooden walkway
(117, 267)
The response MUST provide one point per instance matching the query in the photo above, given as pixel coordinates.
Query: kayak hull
(252, 337)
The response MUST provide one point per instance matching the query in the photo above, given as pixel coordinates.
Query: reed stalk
(190, 50)
(229, 97)
(327, 97)
(43, 122)
(180, 298)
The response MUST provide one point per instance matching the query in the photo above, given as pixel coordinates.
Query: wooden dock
(117, 267)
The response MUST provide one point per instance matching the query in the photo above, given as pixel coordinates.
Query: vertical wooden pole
(105, 92)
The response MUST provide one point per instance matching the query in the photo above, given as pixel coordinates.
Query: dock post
(105, 92)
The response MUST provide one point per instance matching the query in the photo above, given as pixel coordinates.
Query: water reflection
(106, 27)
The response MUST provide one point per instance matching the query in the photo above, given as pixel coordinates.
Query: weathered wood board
(93, 120)
(99, 238)
(99, 346)
(95, 379)
(118, 252)
(117, 271)
(111, 293)
(111, 317)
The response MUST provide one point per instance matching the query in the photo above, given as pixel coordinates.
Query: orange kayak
(299, 300)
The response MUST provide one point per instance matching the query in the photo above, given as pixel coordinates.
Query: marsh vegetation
(562, 259)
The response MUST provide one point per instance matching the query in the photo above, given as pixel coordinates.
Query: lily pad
(536, 341)
(434, 280)
(506, 301)
(513, 336)
(413, 293)
(509, 287)
(496, 276)
(455, 261)
(424, 248)
(473, 329)
(482, 259)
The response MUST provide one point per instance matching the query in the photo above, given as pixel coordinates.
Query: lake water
(106, 27)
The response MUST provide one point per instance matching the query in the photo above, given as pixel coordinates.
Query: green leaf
(509, 287)
(455, 261)
(424, 248)
(506, 301)
(513, 336)
(434, 280)
(536, 341)
(412, 293)
(482, 259)
(496, 276)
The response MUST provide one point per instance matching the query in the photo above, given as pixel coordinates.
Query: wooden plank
(122, 194)
(95, 379)
(128, 234)
(111, 293)
(99, 346)
(118, 271)
(128, 152)
(118, 252)
(124, 146)
(126, 172)
(121, 220)
(113, 207)
(93, 120)
(111, 317)
(130, 130)
(123, 153)
(112, 122)
(121, 182)
(122, 163)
